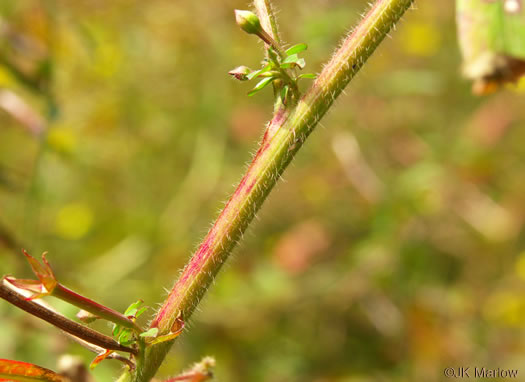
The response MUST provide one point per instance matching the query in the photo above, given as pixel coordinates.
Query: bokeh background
(393, 249)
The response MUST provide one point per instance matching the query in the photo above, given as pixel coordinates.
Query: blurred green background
(393, 249)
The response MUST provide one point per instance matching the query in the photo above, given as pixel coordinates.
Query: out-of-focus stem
(290, 130)
(8, 240)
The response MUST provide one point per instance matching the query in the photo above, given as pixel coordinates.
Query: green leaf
(116, 329)
(293, 60)
(140, 311)
(125, 337)
(132, 309)
(167, 337)
(301, 63)
(307, 75)
(253, 74)
(150, 333)
(273, 56)
(491, 36)
(296, 49)
(256, 73)
(260, 85)
(284, 92)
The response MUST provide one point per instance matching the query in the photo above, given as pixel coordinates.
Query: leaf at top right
(491, 37)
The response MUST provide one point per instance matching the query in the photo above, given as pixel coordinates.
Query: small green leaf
(296, 49)
(307, 75)
(116, 329)
(284, 92)
(140, 311)
(132, 309)
(260, 71)
(150, 333)
(260, 85)
(253, 74)
(125, 337)
(167, 337)
(291, 59)
(273, 55)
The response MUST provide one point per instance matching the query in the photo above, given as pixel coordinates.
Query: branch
(289, 131)
(267, 17)
(62, 322)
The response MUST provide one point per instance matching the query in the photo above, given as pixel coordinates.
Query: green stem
(285, 135)
(264, 11)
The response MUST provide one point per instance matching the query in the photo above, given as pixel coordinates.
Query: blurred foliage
(394, 248)
(491, 36)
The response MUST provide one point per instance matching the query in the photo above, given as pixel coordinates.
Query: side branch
(266, 15)
(62, 322)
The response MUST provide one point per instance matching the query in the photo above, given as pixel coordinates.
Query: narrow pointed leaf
(256, 73)
(132, 309)
(293, 60)
(260, 85)
(296, 49)
(126, 337)
(167, 337)
(301, 63)
(116, 330)
(176, 330)
(99, 358)
(307, 75)
(43, 272)
(290, 59)
(50, 286)
(140, 311)
(26, 284)
(46, 279)
(190, 377)
(284, 92)
(150, 333)
(23, 371)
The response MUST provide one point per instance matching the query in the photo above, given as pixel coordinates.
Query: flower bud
(248, 21)
(240, 73)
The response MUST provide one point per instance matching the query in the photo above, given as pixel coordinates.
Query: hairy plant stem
(285, 135)
(264, 11)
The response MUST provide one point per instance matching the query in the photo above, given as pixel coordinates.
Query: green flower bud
(248, 21)
(240, 73)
